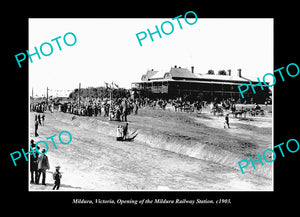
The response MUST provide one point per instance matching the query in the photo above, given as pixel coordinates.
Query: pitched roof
(158, 75)
(182, 73)
(221, 77)
(186, 74)
(173, 73)
(150, 73)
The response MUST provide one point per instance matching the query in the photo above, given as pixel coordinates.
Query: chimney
(240, 72)
(192, 68)
(229, 72)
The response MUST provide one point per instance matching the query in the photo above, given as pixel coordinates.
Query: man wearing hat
(33, 164)
(43, 165)
(36, 126)
(56, 176)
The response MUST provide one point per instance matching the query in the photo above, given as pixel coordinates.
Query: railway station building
(184, 82)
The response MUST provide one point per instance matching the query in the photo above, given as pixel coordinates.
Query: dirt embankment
(198, 136)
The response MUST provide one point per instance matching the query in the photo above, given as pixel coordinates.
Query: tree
(221, 72)
(74, 94)
(100, 92)
(210, 72)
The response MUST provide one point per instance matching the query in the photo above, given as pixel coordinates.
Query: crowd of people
(41, 107)
(38, 107)
(117, 109)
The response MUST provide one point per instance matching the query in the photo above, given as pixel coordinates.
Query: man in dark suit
(36, 126)
(124, 106)
(43, 165)
(33, 164)
(125, 131)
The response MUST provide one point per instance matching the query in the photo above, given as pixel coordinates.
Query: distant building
(186, 83)
(59, 93)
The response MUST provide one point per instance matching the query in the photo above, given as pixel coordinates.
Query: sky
(108, 50)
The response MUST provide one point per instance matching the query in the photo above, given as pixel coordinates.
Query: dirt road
(171, 152)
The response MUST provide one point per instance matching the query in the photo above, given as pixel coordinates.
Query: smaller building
(182, 82)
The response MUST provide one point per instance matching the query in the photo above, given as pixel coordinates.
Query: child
(226, 121)
(56, 176)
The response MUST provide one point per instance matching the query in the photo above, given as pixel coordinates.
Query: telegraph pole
(79, 96)
(47, 95)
